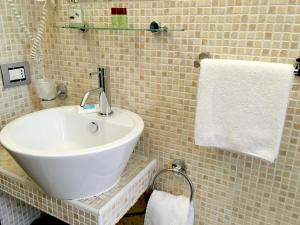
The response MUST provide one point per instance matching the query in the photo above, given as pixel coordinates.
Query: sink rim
(137, 130)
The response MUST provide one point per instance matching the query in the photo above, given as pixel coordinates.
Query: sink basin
(72, 155)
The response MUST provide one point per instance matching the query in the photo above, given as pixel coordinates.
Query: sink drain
(93, 127)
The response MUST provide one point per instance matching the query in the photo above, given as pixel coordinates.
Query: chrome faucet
(103, 90)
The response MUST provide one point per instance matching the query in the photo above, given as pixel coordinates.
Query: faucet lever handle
(99, 72)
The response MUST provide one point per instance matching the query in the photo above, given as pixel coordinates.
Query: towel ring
(178, 168)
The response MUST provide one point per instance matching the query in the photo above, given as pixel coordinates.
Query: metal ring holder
(179, 169)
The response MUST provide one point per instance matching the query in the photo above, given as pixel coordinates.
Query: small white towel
(242, 106)
(167, 209)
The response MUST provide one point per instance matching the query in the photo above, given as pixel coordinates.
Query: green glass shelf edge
(84, 28)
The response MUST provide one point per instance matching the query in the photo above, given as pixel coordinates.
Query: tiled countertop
(105, 209)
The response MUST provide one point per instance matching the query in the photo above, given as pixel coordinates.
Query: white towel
(191, 215)
(242, 106)
(167, 209)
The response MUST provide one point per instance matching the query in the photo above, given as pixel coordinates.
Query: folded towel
(191, 215)
(167, 209)
(242, 106)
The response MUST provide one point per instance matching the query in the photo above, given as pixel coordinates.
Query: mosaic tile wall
(154, 76)
(14, 212)
(19, 100)
(15, 47)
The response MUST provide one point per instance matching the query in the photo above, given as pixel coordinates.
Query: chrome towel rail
(179, 169)
(206, 55)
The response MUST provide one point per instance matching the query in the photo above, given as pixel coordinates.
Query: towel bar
(206, 55)
(178, 168)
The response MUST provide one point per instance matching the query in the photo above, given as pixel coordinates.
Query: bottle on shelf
(119, 18)
(76, 18)
(115, 17)
(123, 19)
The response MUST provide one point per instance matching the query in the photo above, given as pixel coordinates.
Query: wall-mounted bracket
(61, 93)
(156, 27)
(297, 67)
(202, 55)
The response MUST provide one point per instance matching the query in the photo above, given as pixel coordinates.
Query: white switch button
(16, 74)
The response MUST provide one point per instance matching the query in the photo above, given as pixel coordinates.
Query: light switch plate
(15, 74)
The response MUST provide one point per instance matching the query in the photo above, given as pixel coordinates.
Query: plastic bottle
(75, 14)
(115, 17)
(123, 19)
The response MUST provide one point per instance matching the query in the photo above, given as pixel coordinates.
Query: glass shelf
(87, 27)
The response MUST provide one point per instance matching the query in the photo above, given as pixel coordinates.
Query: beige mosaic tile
(153, 75)
(16, 101)
(15, 212)
(135, 215)
(14, 47)
(105, 209)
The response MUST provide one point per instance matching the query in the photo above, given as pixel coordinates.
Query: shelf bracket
(156, 27)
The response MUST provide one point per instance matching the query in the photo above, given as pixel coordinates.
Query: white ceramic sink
(66, 155)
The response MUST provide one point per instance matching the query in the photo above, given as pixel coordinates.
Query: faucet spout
(103, 90)
(87, 95)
